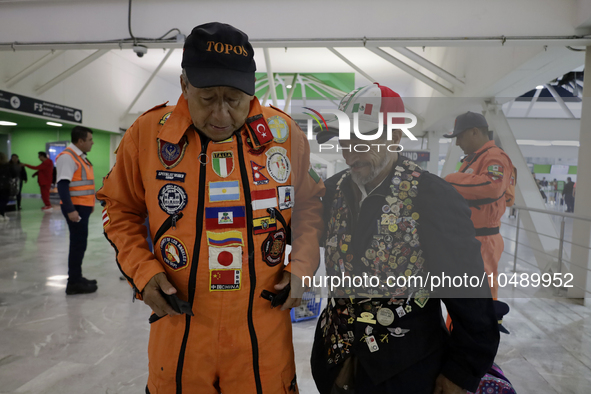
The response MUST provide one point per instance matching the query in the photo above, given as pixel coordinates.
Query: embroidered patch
(171, 176)
(278, 164)
(314, 175)
(469, 171)
(171, 154)
(274, 247)
(257, 175)
(224, 191)
(263, 199)
(279, 128)
(165, 118)
(260, 132)
(496, 172)
(224, 218)
(174, 252)
(228, 238)
(264, 225)
(225, 258)
(285, 197)
(106, 218)
(222, 163)
(172, 198)
(224, 280)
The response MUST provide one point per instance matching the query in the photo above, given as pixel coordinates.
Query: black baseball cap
(217, 54)
(467, 121)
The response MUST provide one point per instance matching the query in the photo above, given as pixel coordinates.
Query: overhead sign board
(29, 105)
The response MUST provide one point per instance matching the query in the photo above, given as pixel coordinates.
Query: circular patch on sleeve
(174, 253)
(278, 164)
(172, 198)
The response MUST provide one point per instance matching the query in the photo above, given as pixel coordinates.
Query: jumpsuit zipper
(251, 265)
(193, 274)
(168, 223)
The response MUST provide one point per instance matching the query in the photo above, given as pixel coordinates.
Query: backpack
(510, 192)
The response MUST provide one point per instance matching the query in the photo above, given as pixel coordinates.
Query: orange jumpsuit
(483, 180)
(218, 212)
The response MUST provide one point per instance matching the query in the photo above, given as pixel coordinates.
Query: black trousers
(78, 241)
(570, 202)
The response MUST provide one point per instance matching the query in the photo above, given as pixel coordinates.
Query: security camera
(140, 50)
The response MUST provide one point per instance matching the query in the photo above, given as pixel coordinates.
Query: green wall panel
(542, 168)
(27, 143)
(572, 170)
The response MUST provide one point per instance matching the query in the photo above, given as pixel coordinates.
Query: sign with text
(30, 105)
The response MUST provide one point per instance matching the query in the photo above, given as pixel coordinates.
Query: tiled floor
(96, 343)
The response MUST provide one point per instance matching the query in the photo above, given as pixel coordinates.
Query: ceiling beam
(294, 82)
(435, 69)
(71, 71)
(559, 100)
(532, 102)
(359, 42)
(410, 70)
(351, 64)
(270, 76)
(148, 82)
(30, 69)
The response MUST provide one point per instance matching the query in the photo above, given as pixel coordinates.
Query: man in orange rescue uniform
(483, 180)
(221, 178)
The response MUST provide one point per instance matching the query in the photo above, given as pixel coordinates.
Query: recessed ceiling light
(288, 86)
(7, 123)
(540, 87)
(54, 124)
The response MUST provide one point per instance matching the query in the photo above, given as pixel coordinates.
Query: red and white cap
(368, 102)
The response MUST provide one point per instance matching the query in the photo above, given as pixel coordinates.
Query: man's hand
(445, 386)
(74, 217)
(154, 300)
(295, 295)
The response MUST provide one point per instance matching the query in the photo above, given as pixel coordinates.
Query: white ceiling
(464, 37)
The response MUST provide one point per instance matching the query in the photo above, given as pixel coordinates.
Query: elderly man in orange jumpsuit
(483, 180)
(220, 187)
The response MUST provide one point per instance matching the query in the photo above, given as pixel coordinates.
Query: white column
(582, 230)
(433, 143)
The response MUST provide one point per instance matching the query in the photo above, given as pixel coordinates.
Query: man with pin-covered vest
(485, 176)
(387, 221)
(75, 185)
(221, 178)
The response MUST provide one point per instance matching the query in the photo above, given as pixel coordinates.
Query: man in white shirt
(76, 189)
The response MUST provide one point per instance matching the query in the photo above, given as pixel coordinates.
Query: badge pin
(398, 332)
(372, 344)
(366, 317)
(385, 316)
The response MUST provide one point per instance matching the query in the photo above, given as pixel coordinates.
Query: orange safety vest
(82, 183)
